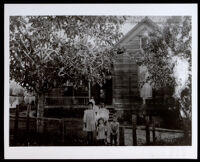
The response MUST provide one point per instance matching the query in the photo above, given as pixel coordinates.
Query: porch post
(134, 127)
(89, 89)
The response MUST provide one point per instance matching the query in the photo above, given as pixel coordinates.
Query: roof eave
(145, 20)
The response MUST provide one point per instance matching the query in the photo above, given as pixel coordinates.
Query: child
(101, 132)
(114, 131)
(89, 123)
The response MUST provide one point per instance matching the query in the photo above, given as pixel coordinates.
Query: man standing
(102, 96)
(89, 123)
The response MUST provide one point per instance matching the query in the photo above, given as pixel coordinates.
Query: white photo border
(90, 152)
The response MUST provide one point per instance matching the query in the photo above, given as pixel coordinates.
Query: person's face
(90, 106)
(102, 105)
(101, 121)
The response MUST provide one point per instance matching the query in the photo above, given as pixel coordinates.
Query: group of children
(99, 129)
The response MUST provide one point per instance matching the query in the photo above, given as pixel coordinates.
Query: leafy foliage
(162, 50)
(47, 51)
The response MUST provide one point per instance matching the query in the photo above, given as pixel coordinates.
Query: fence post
(62, 131)
(44, 132)
(153, 132)
(89, 89)
(134, 127)
(147, 130)
(121, 136)
(27, 123)
(16, 124)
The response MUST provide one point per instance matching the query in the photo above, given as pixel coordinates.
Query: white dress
(101, 132)
(146, 91)
(103, 113)
(89, 119)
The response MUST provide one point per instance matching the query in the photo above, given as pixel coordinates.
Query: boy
(114, 131)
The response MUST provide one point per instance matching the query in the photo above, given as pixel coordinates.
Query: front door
(106, 88)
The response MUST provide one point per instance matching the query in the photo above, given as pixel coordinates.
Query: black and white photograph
(100, 80)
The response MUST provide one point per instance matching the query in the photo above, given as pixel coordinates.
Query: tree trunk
(40, 113)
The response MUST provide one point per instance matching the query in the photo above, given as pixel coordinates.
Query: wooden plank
(123, 60)
(123, 73)
(125, 86)
(125, 68)
(123, 106)
(126, 101)
(124, 64)
(133, 51)
(124, 91)
(133, 95)
(133, 46)
(129, 78)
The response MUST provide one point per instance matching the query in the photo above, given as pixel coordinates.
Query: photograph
(100, 80)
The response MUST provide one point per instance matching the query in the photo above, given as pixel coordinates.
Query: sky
(133, 20)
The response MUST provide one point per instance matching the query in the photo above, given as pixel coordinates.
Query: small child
(114, 131)
(101, 132)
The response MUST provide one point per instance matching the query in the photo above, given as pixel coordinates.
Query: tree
(167, 52)
(47, 51)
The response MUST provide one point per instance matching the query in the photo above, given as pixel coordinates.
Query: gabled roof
(146, 21)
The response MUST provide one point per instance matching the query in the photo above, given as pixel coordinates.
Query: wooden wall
(125, 85)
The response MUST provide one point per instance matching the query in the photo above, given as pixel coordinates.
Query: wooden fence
(54, 129)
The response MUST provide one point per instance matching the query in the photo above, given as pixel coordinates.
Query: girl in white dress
(101, 132)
